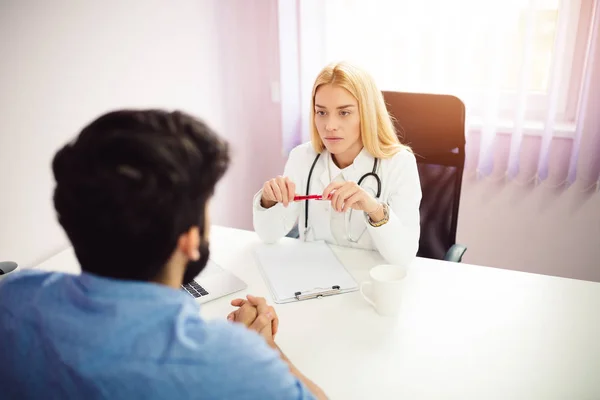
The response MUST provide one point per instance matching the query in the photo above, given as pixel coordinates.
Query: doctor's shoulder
(402, 159)
(302, 154)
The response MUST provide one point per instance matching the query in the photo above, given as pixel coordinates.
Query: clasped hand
(257, 315)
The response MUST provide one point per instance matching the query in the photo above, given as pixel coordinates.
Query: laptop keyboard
(194, 289)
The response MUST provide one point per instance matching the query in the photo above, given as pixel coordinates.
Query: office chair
(433, 126)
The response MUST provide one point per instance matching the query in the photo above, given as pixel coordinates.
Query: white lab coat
(397, 241)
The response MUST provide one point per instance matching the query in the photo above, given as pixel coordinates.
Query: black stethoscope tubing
(362, 178)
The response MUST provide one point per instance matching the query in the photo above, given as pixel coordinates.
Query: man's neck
(168, 281)
(171, 275)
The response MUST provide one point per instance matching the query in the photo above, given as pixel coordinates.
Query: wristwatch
(386, 217)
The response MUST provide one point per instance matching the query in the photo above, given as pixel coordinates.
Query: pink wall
(534, 229)
(64, 63)
(62, 67)
(247, 36)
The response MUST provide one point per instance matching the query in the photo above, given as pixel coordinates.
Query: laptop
(212, 283)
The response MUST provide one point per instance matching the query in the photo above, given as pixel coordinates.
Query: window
(518, 65)
(514, 53)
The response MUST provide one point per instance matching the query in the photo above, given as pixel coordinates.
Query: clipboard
(297, 270)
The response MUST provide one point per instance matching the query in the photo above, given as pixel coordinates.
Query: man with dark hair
(132, 193)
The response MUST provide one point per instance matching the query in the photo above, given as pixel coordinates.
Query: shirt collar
(99, 286)
(363, 160)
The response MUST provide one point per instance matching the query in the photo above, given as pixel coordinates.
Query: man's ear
(189, 243)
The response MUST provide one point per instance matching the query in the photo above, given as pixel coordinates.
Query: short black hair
(131, 183)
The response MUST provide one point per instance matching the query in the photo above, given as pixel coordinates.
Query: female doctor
(368, 180)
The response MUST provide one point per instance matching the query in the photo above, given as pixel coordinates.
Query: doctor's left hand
(346, 195)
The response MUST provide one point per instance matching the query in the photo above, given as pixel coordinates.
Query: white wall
(65, 62)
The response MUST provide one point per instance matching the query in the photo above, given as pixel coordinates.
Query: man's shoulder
(15, 288)
(228, 342)
(238, 363)
(25, 276)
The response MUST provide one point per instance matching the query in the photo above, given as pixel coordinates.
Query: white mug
(386, 288)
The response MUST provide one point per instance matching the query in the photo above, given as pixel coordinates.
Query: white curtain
(520, 66)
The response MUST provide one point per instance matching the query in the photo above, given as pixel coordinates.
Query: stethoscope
(373, 173)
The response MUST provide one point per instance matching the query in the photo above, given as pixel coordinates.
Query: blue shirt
(87, 337)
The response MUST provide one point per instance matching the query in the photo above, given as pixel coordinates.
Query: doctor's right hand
(278, 190)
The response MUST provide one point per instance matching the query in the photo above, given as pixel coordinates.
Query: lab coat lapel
(324, 175)
(363, 163)
(319, 213)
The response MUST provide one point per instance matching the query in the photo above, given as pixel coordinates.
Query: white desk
(465, 332)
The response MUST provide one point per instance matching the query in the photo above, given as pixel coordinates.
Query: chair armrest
(455, 253)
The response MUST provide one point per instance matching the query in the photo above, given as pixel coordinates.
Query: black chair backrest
(433, 126)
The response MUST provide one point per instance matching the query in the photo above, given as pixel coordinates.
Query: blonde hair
(376, 127)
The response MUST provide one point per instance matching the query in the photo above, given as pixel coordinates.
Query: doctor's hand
(346, 195)
(257, 315)
(278, 190)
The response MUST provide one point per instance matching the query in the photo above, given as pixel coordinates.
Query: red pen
(309, 197)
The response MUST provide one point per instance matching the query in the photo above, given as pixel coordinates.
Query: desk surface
(464, 332)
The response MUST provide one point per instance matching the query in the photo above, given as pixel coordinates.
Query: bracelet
(386, 217)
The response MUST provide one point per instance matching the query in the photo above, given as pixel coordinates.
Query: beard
(193, 268)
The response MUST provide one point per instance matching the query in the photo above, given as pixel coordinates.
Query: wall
(543, 229)
(247, 38)
(65, 62)
(534, 229)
